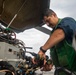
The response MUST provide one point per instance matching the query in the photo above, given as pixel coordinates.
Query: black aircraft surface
(23, 14)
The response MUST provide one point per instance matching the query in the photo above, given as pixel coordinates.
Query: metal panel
(22, 14)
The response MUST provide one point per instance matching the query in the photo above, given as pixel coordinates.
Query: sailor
(60, 42)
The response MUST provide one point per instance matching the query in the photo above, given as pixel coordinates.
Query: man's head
(50, 18)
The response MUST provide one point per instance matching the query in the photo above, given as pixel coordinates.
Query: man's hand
(47, 67)
(42, 55)
(40, 59)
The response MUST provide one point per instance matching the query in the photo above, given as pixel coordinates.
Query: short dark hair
(48, 12)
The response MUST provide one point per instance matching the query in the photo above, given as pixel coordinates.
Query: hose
(61, 69)
(7, 71)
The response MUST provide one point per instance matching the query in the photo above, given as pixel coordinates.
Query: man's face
(50, 21)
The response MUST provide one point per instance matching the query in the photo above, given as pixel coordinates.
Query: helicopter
(17, 16)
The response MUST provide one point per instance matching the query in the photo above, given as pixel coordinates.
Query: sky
(64, 8)
(35, 38)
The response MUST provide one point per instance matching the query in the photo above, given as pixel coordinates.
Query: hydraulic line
(9, 34)
(61, 69)
(7, 71)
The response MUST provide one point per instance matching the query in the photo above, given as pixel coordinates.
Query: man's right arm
(56, 37)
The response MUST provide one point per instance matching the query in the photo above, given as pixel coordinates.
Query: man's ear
(54, 14)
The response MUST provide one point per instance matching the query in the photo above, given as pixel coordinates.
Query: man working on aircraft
(60, 42)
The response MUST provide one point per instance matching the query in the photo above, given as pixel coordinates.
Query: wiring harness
(24, 65)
